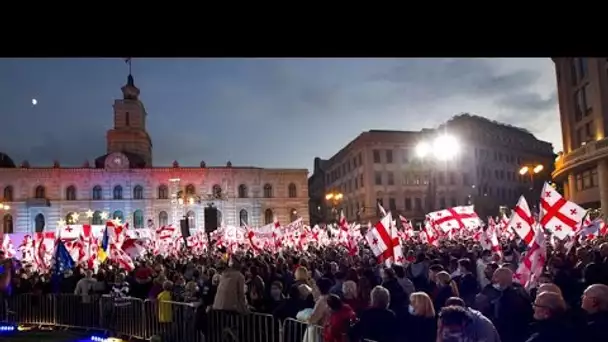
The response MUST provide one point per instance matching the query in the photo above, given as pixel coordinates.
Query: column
(571, 187)
(602, 175)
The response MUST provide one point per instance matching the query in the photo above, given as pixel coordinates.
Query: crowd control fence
(144, 319)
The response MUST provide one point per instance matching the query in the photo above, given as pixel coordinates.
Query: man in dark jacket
(551, 324)
(595, 303)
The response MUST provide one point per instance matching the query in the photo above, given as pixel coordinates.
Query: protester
(422, 322)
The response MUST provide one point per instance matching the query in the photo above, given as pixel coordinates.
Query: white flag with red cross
(455, 218)
(563, 218)
(522, 221)
(382, 241)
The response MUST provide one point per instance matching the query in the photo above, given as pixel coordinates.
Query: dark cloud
(263, 112)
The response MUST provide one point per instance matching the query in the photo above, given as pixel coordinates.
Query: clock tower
(129, 134)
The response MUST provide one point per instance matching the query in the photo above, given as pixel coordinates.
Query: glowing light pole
(531, 170)
(442, 149)
(175, 203)
(334, 198)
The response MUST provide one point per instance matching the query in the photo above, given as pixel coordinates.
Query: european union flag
(63, 262)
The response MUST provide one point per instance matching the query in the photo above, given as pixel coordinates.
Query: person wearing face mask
(482, 263)
(446, 288)
(551, 322)
(421, 322)
(467, 284)
(507, 306)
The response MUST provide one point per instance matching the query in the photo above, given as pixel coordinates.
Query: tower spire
(130, 91)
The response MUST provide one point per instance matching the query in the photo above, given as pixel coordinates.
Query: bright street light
(531, 169)
(334, 196)
(444, 147)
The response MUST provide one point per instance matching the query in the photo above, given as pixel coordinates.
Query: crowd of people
(453, 292)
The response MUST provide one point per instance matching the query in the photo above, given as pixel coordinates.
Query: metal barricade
(173, 321)
(297, 331)
(231, 326)
(123, 316)
(31, 309)
(74, 311)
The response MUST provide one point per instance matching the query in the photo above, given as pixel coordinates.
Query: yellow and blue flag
(104, 246)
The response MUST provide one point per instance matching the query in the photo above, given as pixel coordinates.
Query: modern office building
(582, 167)
(385, 167)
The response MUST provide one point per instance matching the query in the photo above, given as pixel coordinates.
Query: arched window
(191, 219)
(118, 215)
(97, 218)
(190, 189)
(267, 191)
(217, 191)
(40, 193)
(292, 190)
(243, 217)
(39, 223)
(268, 216)
(97, 193)
(163, 219)
(117, 192)
(7, 224)
(69, 218)
(219, 218)
(293, 215)
(8, 194)
(138, 194)
(70, 193)
(138, 219)
(163, 192)
(242, 191)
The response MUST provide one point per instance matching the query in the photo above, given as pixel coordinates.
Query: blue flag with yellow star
(63, 262)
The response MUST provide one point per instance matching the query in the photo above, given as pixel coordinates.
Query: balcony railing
(590, 150)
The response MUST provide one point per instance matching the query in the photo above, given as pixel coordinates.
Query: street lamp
(443, 148)
(5, 206)
(334, 198)
(531, 170)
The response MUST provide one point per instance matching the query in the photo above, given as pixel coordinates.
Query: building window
(127, 119)
(442, 202)
(118, 215)
(217, 191)
(293, 193)
(267, 191)
(389, 156)
(406, 156)
(70, 193)
(242, 192)
(163, 219)
(190, 190)
(97, 220)
(117, 192)
(452, 178)
(268, 216)
(587, 179)
(379, 204)
(465, 179)
(391, 179)
(376, 156)
(138, 194)
(587, 97)
(97, 193)
(378, 178)
(243, 217)
(408, 204)
(360, 157)
(579, 105)
(7, 224)
(578, 69)
(40, 192)
(163, 192)
(39, 223)
(8, 194)
(138, 219)
(191, 217)
(453, 202)
(361, 181)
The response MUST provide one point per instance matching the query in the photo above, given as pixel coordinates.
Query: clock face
(117, 161)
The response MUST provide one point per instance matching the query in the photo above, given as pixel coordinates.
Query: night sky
(260, 112)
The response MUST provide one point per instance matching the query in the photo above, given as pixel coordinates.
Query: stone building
(124, 184)
(582, 167)
(383, 166)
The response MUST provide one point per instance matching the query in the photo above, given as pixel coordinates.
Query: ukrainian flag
(103, 250)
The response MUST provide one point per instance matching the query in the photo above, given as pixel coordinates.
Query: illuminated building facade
(582, 167)
(124, 184)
